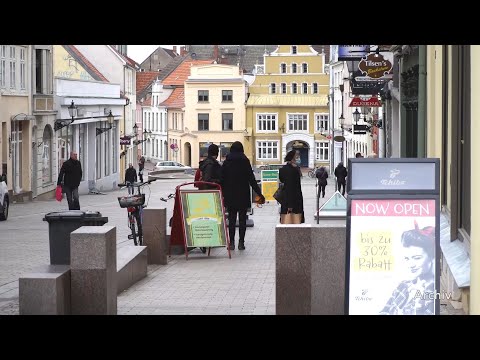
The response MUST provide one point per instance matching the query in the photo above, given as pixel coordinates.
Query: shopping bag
(58, 193)
(290, 218)
(279, 195)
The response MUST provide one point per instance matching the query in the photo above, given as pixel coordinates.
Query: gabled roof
(178, 76)
(176, 99)
(87, 65)
(144, 79)
(129, 61)
(170, 52)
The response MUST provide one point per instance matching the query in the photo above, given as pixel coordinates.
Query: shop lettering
(372, 263)
(392, 182)
(408, 209)
(371, 208)
(376, 63)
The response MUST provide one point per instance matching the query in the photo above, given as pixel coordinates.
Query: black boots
(241, 245)
(232, 245)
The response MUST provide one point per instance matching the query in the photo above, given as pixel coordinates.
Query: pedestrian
(290, 177)
(236, 179)
(298, 161)
(358, 155)
(210, 168)
(415, 295)
(322, 176)
(341, 174)
(141, 165)
(130, 178)
(69, 178)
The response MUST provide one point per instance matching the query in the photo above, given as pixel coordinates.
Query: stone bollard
(93, 253)
(310, 269)
(155, 235)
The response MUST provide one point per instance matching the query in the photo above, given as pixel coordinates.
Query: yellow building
(453, 87)
(287, 108)
(214, 112)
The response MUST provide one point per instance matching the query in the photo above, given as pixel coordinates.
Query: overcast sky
(141, 52)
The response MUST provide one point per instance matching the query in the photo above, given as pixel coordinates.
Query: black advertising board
(393, 247)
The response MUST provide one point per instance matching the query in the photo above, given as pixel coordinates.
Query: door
(34, 161)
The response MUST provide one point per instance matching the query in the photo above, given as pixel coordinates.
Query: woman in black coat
(290, 177)
(237, 178)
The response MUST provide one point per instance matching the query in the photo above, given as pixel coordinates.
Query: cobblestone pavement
(244, 284)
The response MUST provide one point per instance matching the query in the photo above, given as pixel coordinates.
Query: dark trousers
(232, 221)
(140, 175)
(321, 190)
(341, 185)
(72, 197)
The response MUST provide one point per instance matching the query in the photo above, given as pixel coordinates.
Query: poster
(392, 265)
(203, 218)
(269, 183)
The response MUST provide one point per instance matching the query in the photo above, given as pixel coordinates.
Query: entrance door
(17, 156)
(303, 155)
(34, 162)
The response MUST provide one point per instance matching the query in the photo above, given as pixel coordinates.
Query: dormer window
(294, 49)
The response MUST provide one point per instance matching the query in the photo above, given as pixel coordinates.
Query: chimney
(215, 53)
(182, 51)
(175, 49)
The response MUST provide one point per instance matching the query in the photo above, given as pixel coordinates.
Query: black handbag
(279, 195)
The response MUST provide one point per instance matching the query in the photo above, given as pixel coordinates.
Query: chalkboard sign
(203, 217)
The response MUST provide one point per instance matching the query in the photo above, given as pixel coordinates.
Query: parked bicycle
(313, 172)
(135, 205)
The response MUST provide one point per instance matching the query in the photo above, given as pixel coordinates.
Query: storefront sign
(352, 52)
(375, 66)
(269, 183)
(370, 101)
(125, 140)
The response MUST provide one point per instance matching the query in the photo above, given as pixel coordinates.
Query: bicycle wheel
(311, 173)
(140, 228)
(132, 227)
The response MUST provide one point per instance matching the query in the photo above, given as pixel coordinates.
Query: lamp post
(341, 121)
(72, 111)
(110, 119)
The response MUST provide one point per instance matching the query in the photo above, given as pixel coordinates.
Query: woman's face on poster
(417, 260)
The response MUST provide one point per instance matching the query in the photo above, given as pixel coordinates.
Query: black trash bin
(61, 224)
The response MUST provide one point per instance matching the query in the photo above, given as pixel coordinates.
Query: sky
(141, 52)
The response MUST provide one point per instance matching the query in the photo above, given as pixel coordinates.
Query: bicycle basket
(131, 200)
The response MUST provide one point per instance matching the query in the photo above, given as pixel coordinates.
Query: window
(305, 68)
(294, 88)
(47, 156)
(13, 65)
(98, 153)
(227, 95)
(297, 122)
(284, 88)
(3, 53)
(314, 88)
(202, 95)
(22, 70)
(115, 147)
(305, 88)
(227, 121)
(294, 68)
(321, 150)
(202, 122)
(273, 88)
(321, 122)
(294, 49)
(267, 122)
(283, 68)
(267, 150)
(82, 146)
(38, 71)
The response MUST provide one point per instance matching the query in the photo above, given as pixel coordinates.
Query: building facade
(287, 108)
(214, 111)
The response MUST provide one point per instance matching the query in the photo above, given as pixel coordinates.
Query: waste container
(61, 224)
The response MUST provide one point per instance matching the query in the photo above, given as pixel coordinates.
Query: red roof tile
(92, 70)
(176, 99)
(178, 76)
(144, 79)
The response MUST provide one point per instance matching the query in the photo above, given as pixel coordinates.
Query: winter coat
(131, 175)
(341, 173)
(237, 178)
(70, 173)
(290, 177)
(211, 172)
(322, 176)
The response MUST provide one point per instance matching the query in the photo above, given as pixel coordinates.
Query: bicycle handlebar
(170, 196)
(137, 184)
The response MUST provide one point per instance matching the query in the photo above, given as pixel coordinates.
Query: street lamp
(72, 110)
(61, 123)
(356, 116)
(110, 119)
(135, 129)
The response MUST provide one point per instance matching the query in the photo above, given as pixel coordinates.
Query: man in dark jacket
(341, 174)
(237, 178)
(130, 177)
(71, 175)
(141, 165)
(210, 168)
(322, 177)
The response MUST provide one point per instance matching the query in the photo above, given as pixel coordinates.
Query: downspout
(422, 101)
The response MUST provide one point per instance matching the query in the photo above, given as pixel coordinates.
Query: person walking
(69, 177)
(292, 188)
(141, 165)
(322, 176)
(130, 178)
(358, 155)
(236, 179)
(210, 168)
(341, 174)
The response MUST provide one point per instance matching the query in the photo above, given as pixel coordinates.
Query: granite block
(155, 234)
(131, 266)
(92, 293)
